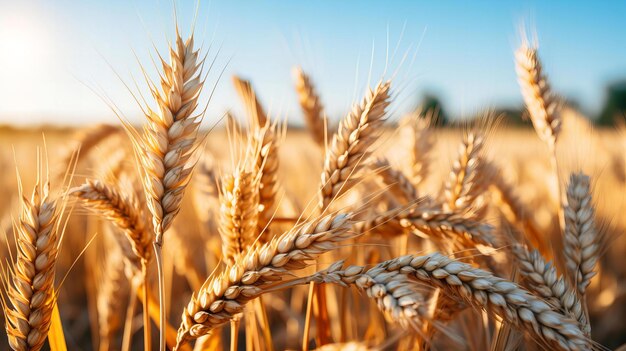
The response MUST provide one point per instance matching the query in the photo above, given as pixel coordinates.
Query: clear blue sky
(54, 53)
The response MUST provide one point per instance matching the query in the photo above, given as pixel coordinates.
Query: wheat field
(360, 234)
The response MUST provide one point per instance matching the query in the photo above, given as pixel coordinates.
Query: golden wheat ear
(225, 293)
(351, 144)
(477, 288)
(311, 106)
(543, 105)
(30, 283)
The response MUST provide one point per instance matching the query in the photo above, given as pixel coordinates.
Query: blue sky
(59, 57)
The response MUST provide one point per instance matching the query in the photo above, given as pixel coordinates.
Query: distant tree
(513, 116)
(430, 102)
(615, 104)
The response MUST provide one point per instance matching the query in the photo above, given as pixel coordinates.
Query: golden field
(351, 235)
(523, 158)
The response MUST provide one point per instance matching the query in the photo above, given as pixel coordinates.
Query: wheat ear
(350, 146)
(478, 288)
(543, 279)
(250, 101)
(265, 154)
(439, 224)
(167, 148)
(467, 178)
(239, 199)
(30, 286)
(398, 184)
(121, 209)
(311, 106)
(581, 240)
(225, 294)
(543, 105)
(169, 139)
(422, 142)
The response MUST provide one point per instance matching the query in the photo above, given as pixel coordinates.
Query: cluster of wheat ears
(296, 269)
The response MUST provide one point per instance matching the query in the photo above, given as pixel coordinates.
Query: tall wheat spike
(170, 136)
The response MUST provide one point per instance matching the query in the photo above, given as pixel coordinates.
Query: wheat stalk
(30, 286)
(311, 106)
(478, 288)
(225, 294)
(109, 298)
(581, 240)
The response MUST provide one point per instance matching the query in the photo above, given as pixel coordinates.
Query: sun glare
(25, 56)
